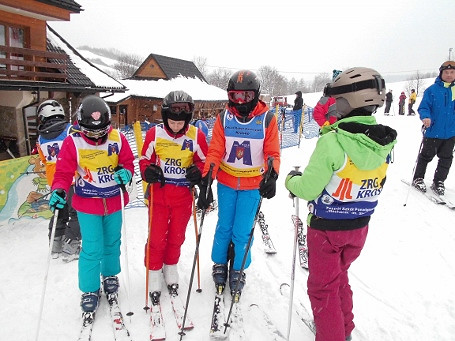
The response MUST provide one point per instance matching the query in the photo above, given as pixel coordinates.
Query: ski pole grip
(209, 175)
(269, 168)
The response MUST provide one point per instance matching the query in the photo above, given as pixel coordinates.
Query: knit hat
(335, 74)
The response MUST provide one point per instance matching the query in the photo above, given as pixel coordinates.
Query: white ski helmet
(50, 108)
(357, 87)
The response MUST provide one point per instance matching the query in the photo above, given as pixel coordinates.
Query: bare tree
(272, 82)
(416, 82)
(201, 64)
(127, 65)
(219, 78)
(320, 81)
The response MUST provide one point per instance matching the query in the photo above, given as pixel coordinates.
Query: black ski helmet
(248, 81)
(168, 112)
(94, 117)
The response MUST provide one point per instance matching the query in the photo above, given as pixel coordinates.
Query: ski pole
(415, 166)
(147, 253)
(122, 203)
(49, 256)
(248, 245)
(196, 232)
(196, 252)
(296, 232)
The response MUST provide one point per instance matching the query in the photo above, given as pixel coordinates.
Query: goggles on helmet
(241, 96)
(95, 133)
(51, 103)
(447, 65)
(181, 107)
(377, 83)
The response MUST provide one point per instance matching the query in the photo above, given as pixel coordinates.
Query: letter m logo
(240, 151)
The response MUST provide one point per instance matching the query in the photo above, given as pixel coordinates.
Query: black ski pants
(443, 148)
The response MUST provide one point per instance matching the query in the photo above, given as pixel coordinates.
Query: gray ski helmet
(168, 111)
(94, 117)
(245, 80)
(450, 64)
(357, 87)
(50, 109)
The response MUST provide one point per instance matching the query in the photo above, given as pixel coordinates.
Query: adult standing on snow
(402, 99)
(437, 112)
(102, 160)
(388, 101)
(53, 129)
(171, 162)
(325, 111)
(243, 138)
(412, 100)
(297, 110)
(342, 182)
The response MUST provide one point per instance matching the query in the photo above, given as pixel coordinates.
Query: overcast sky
(299, 38)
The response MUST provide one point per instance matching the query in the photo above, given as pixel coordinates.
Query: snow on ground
(403, 281)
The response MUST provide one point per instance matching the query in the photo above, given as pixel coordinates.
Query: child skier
(52, 131)
(103, 160)
(342, 182)
(243, 138)
(171, 162)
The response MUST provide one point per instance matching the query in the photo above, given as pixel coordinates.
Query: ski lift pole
(296, 232)
(196, 252)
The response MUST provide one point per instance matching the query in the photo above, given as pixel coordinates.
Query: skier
(412, 100)
(171, 162)
(102, 160)
(402, 98)
(342, 182)
(52, 130)
(325, 111)
(297, 110)
(243, 138)
(437, 112)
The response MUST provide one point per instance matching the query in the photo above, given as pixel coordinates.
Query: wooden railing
(27, 64)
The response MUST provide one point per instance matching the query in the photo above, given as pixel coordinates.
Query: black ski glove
(193, 175)
(154, 173)
(205, 194)
(268, 189)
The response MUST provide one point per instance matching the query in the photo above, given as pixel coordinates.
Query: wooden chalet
(36, 64)
(153, 80)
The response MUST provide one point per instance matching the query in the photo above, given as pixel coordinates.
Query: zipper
(105, 206)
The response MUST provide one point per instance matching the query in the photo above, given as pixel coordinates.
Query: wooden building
(36, 64)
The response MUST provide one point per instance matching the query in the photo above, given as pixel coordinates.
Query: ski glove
(289, 177)
(205, 194)
(154, 173)
(57, 199)
(268, 189)
(122, 175)
(193, 175)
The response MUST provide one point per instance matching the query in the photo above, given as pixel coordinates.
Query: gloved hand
(154, 173)
(193, 175)
(205, 194)
(288, 177)
(122, 175)
(268, 189)
(57, 199)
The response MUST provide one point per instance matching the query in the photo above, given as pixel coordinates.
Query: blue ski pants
(236, 212)
(100, 253)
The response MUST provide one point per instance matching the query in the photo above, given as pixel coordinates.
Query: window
(12, 36)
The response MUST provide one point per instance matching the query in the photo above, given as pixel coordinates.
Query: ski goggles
(95, 133)
(241, 96)
(447, 65)
(181, 107)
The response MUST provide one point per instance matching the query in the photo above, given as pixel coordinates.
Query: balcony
(32, 65)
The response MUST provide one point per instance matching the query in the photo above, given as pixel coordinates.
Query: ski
(157, 330)
(269, 248)
(430, 195)
(217, 323)
(85, 333)
(269, 325)
(236, 330)
(301, 311)
(121, 333)
(179, 311)
(301, 240)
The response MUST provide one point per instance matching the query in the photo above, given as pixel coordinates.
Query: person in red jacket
(103, 162)
(171, 162)
(325, 111)
(402, 99)
(243, 138)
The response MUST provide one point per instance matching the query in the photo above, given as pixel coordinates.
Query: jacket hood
(365, 142)
(299, 93)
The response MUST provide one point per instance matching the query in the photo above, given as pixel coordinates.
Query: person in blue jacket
(437, 112)
(202, 125)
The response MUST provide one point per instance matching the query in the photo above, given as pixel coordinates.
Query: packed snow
(403, 281)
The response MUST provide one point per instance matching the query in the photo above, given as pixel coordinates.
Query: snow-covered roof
(97, 78)
(197, 89)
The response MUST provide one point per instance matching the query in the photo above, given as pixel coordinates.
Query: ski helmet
(450, 64)
(177, 106)
(50, 109)
(244, 80)
(94, 117)
(356, 88)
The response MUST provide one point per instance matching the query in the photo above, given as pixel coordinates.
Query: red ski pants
(172, 208)
(330, 253)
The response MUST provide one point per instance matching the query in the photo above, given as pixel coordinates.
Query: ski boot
(110, 287)
(57, 247)
(419, 184)
(173, 289)
(90, 301)
(236, 284)
(71, 249)
(219, 274)
(438, 187)
(155, 297)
